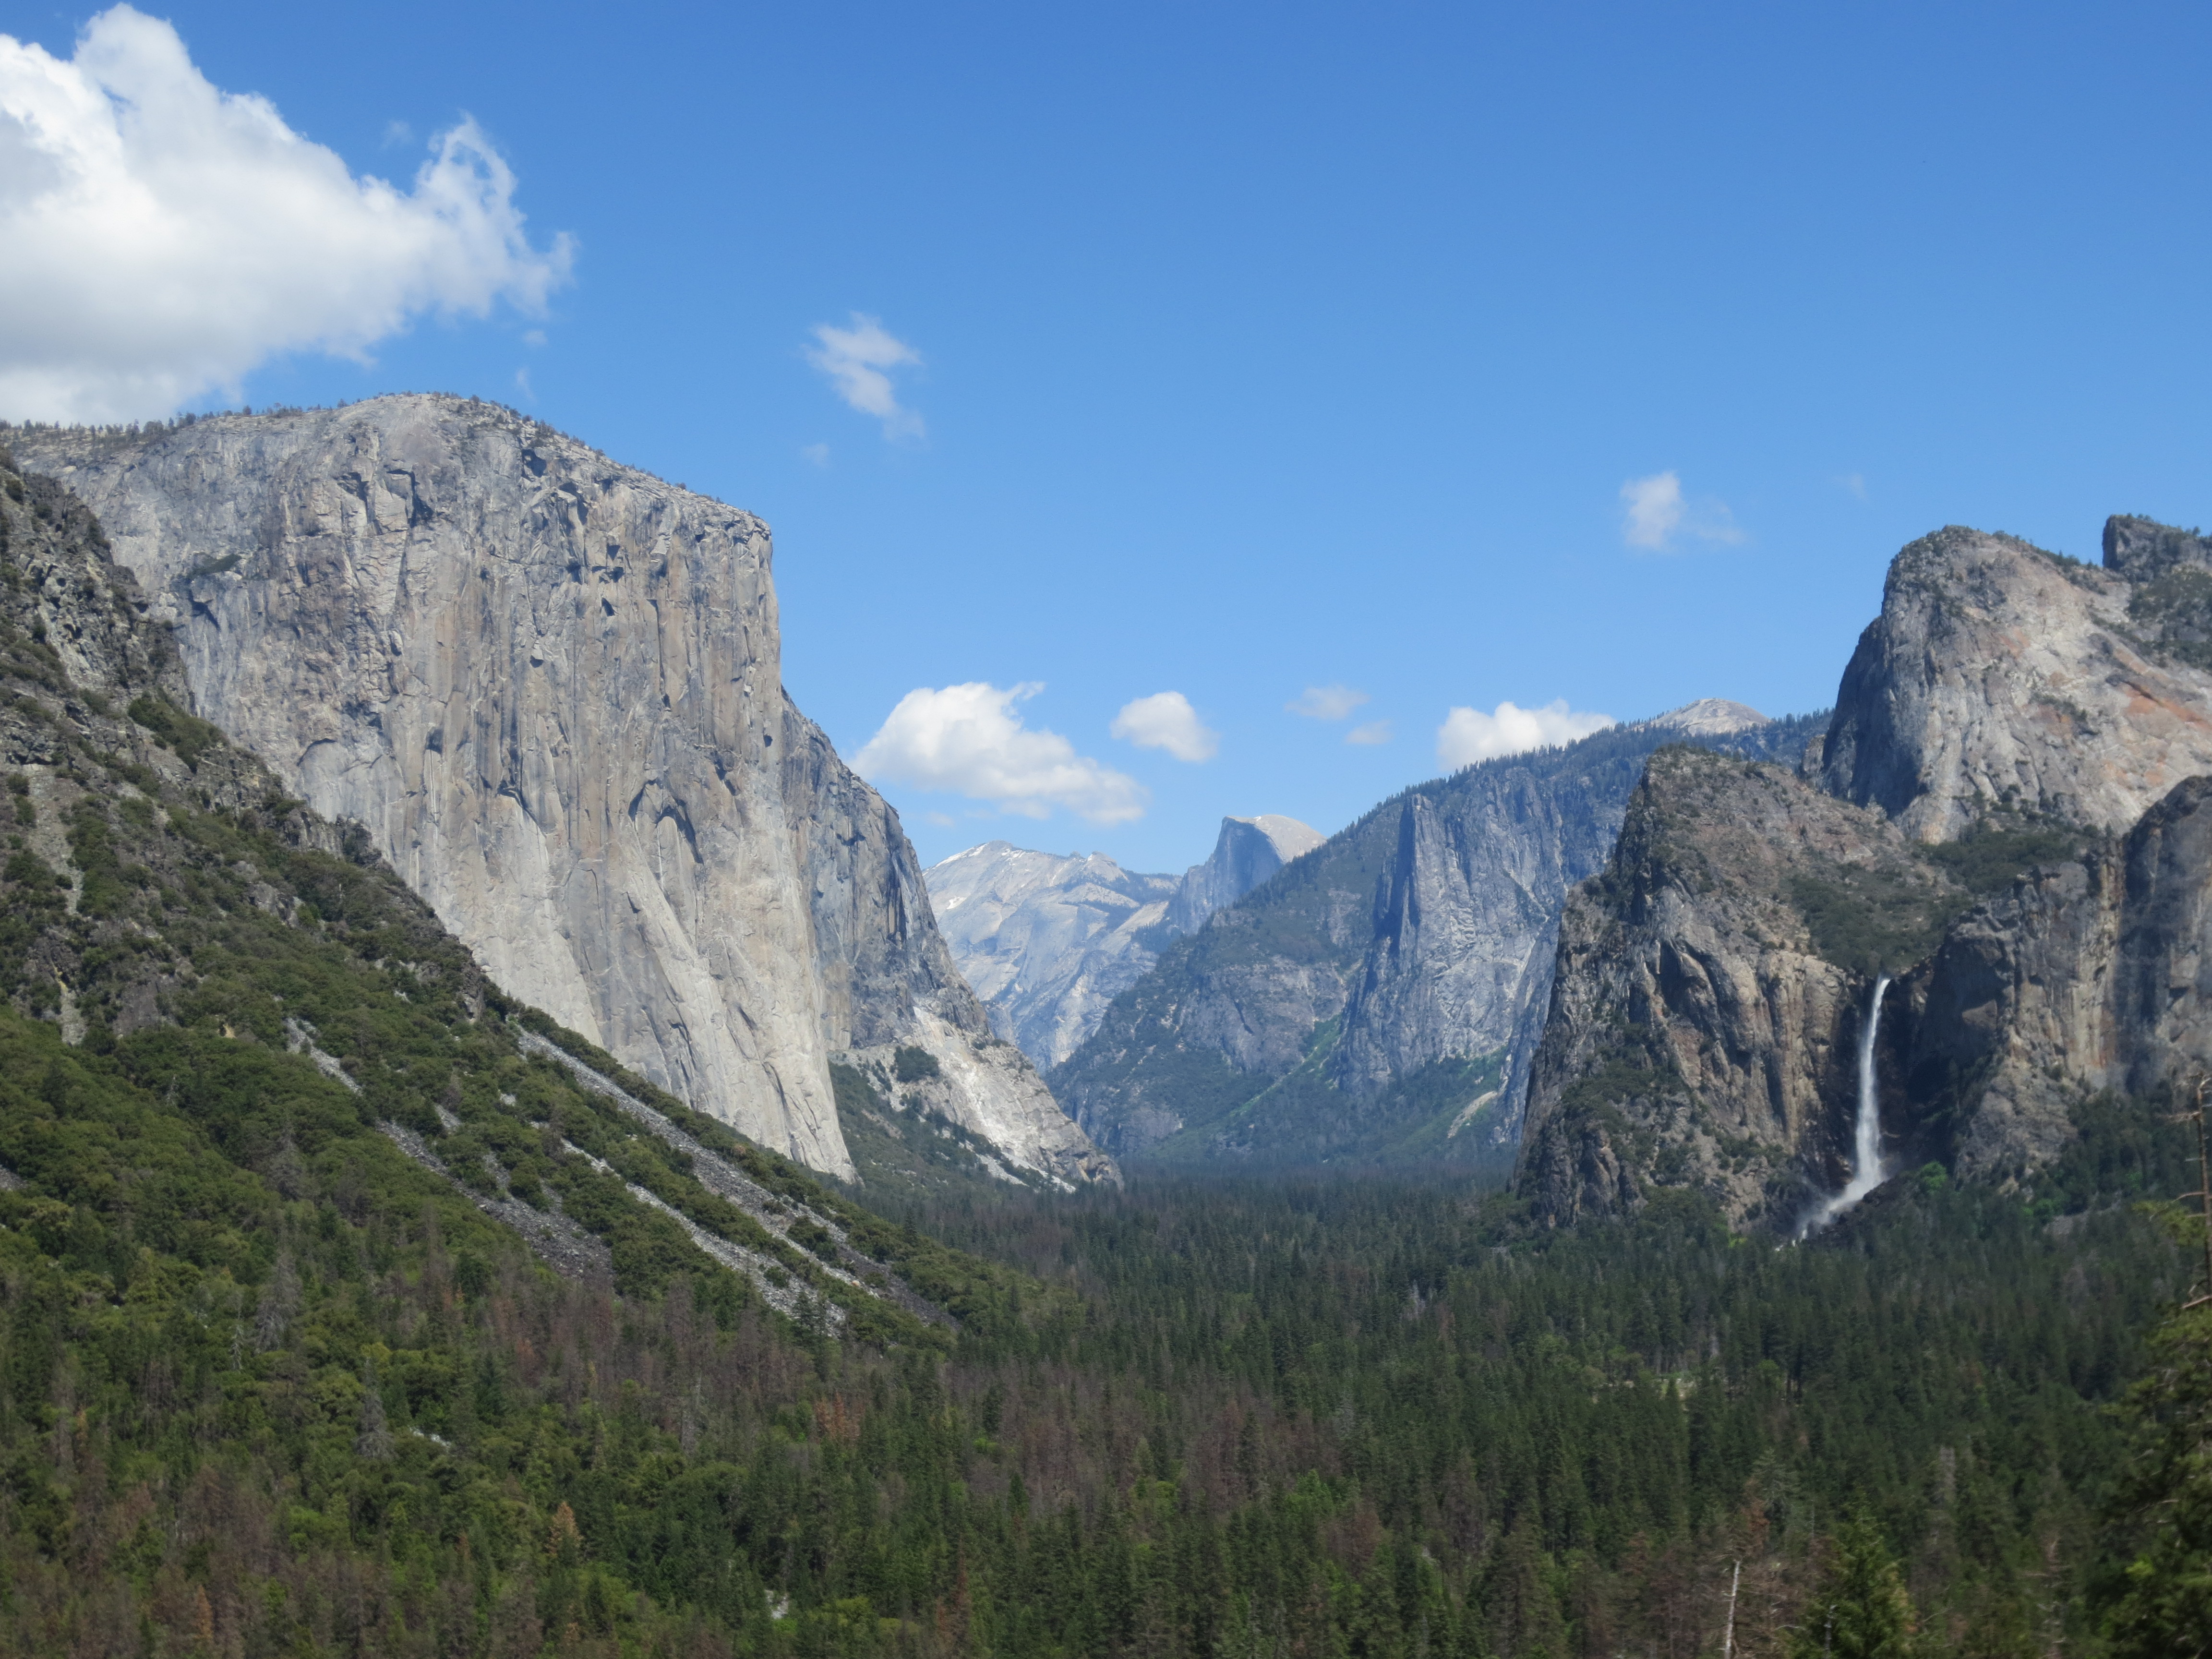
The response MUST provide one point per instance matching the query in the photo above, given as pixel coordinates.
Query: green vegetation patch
(1872, 920)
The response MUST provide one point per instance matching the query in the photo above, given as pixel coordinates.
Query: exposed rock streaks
(550, 687)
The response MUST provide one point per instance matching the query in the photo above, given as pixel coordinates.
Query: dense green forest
(1355, 1417)
(342, 1314)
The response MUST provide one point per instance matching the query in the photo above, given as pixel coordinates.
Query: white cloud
(970, 740)
(164, 237)
(1166, 720)
(1326, 702)
(1372, 734)
(855, 360)
(817, 454)
(1855, 482)
(1654, 510)
(1468, 735)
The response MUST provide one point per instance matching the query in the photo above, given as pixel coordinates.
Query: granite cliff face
(1049, 942)
(1700, 1028)
(2007, 814)
(1378, 999)
(549, 687)
(1999, 675)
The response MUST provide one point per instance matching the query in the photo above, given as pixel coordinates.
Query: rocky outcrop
(1706, 999)
(2085, 974)
(1400, 970)
(1999, 676)
(550, 687)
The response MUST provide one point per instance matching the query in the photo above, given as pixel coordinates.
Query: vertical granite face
(1466, 924)
(1999, 676)
(550, 687)
(1697, 1034)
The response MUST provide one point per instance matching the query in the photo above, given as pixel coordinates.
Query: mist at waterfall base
(1867, 1170)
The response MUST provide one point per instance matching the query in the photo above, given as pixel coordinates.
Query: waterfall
(1866, 1137)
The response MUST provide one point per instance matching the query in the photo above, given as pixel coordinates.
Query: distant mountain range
(1377, 998)
(1048, 942)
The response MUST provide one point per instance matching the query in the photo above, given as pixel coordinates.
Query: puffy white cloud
(1372, 734)
(1468, 735)
(970, 740)
(163, 237)
(1166, 720)
(855, 359)
(1653, 509)
(1326, 702)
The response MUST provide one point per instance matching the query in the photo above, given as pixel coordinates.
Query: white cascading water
(1866, 1163)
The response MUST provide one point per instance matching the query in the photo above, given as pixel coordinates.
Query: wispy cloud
(1326, 702)
(1468, 735)
(1373, 734)
(1654, 512)
(165, 237)
(819, 454)
(1855, 484)
(858, 361)
(1166, 720)
(969, 739)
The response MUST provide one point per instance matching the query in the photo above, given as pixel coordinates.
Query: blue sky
(1267, 348)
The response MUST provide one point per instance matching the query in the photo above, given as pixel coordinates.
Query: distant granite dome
(1048, 942)
(1246, 853)
(1710, 717)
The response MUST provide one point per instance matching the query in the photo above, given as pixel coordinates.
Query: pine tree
(1860, 1610)
(2163, 1506)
